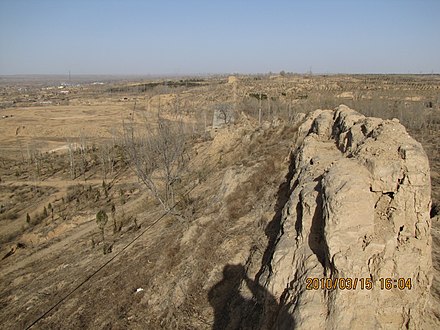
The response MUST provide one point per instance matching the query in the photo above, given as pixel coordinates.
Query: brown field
(46, 251)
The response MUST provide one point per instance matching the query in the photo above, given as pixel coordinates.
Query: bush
(101, 219)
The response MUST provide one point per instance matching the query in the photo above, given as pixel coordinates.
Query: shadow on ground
(233, 311)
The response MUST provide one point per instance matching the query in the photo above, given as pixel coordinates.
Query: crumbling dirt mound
(354, 244)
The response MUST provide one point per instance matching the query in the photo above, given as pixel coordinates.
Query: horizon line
(201, 74)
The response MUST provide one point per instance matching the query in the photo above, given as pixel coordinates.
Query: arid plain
(157, 262)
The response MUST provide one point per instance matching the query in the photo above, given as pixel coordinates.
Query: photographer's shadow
(233, 311)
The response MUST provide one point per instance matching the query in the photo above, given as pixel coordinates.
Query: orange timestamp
(362, 283)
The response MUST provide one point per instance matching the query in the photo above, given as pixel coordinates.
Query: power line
(105, 264)
(94, 273)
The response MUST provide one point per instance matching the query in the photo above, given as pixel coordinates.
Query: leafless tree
(83, 153)
(223, 112)
(35, 160)
(156, 152)
(71, 159)
(106, 156)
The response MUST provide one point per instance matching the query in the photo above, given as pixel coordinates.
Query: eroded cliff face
(358, 211)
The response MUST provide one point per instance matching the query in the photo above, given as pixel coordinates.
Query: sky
(180, 37)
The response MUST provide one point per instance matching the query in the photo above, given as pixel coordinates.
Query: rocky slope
(357, 214)
(329, 195)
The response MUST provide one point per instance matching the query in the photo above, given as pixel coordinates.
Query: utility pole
(134, 109)
(234, 91)
(269, 108)
(259, 110)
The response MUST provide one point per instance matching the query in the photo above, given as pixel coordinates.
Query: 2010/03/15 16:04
(362, 283)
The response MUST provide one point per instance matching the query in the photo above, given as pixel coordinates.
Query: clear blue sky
(218, 36)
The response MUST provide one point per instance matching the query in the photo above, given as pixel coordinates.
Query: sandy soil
(176, 264)
(51, 127)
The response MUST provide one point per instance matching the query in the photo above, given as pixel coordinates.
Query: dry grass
(247, 194)
(176, 274)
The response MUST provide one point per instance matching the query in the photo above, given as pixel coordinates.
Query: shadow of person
(233, 311)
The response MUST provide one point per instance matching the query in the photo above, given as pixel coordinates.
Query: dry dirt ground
(160, 273)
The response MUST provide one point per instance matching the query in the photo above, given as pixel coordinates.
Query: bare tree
(83, 153)
(223, 113)
(71, 159)
(106, 156)
(156, 152)
(35, 160)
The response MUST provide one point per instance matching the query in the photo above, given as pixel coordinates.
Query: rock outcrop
(356, 223)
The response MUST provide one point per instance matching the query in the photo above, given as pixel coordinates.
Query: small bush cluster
(86, 195)
(37, 218)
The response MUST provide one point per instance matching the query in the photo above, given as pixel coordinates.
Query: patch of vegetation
(144, 87)
(15, 199)
(258, 96)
